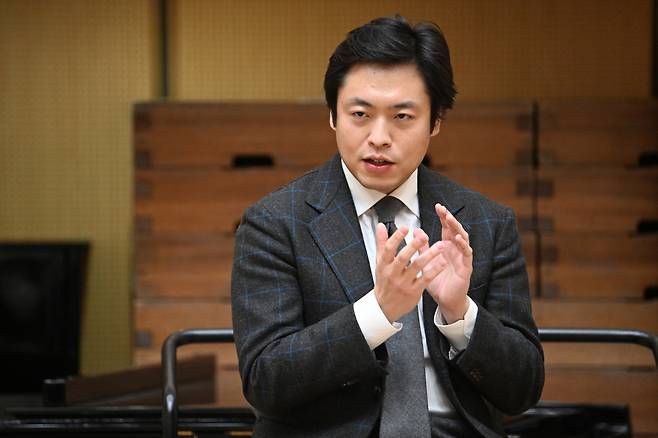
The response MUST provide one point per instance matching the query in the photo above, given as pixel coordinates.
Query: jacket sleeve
(284, 362)
(504, 358)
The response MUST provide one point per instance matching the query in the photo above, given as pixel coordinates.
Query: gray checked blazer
(299, 265)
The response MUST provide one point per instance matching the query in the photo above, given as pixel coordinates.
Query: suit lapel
(433, 188)
(337, 232)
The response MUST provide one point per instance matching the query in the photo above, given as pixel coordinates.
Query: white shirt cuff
(459, 332)
(373, 323)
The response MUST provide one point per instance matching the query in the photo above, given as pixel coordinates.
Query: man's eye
(359, 114)
(403, 116)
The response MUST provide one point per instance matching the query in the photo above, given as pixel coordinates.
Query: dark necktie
(404, 412)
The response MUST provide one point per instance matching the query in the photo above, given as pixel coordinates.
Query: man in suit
(372, 296)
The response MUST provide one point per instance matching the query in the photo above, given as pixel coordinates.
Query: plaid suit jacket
(300, 263)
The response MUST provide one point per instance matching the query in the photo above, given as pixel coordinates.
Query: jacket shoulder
(292, 195)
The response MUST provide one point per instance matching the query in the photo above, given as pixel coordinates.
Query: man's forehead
(395, 86)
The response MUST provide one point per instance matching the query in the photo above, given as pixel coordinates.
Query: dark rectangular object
(133, 421)
(41, 288)
(134, 386)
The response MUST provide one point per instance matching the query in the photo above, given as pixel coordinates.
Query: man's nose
(380, 135)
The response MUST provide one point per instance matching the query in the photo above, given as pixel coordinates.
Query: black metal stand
(170, 403)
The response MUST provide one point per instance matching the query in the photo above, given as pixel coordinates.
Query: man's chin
(379, 185)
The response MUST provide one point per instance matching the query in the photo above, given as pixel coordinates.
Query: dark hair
(390, 41)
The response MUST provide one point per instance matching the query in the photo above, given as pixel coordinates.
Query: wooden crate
(199, 203)
(495, 134)
(596, 200)
(202, 135)
(184, 267)
(600, 133)
(154, 320)
(214, 135)
(640, 315)
(590, 266)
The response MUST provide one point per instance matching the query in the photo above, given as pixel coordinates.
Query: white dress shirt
(371, 319)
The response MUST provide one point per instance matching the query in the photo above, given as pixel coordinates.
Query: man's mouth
(378, 162)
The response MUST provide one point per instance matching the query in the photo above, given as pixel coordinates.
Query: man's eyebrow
(405, 105)
(402, 105)
(359, 101)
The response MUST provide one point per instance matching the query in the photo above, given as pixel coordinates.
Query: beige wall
(70, 70)
(505, 49)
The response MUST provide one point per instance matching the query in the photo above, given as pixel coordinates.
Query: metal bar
(613, 336)
(175, 340)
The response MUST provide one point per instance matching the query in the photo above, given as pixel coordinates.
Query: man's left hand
(455, 265)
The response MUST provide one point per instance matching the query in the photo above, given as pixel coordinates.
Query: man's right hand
(399, 286)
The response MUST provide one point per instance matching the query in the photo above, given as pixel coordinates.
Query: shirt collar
(364, 198)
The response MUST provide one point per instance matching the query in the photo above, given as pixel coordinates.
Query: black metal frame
(175, 340)
(183, 337)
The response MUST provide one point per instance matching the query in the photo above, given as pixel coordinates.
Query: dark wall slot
(648, 159)
(249, 160)
(647, 226)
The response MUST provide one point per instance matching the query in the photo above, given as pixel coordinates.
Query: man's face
(383, 117)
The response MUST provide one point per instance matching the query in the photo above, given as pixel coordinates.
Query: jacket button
(476, 375)
(376, 391)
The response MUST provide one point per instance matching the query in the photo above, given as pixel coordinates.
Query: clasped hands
(444, 269)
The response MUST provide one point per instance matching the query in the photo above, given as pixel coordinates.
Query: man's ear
(332, 123)
(437, 127)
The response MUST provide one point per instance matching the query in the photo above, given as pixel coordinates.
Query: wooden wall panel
(598, 355)
(598, 133)
(484, 134)
(155, 320)
(184, 267)
(596, 200)
(591, 314)
(201, 202)
(203, 135)
(599, 266)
